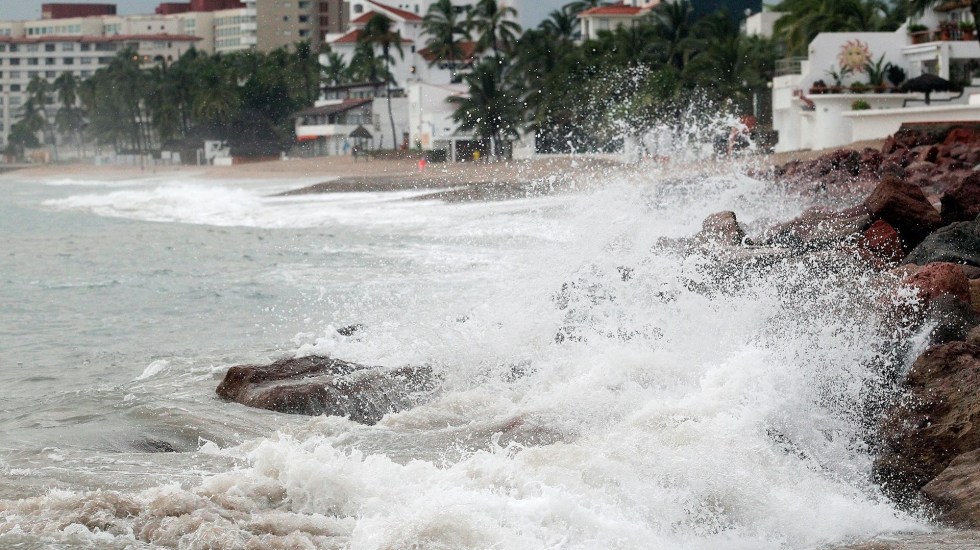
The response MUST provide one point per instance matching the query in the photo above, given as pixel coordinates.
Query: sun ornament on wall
(854, 55)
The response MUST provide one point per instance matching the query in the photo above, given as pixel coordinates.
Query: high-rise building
(285, 22)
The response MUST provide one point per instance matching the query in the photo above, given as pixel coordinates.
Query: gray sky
(31, 9)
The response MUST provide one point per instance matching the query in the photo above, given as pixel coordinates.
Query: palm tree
(38, 89)
(69, 117)
(804, 19)
(335, 71)
(441, 23)
(672, 25)
(496, 27)
(379, 31)
(491, 108)
(562, 24)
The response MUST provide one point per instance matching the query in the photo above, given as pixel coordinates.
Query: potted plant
(818, 87)
(860, 88)
(876, 73)
(967, 28)
(860, 105)
(838, 77)
(918, 33)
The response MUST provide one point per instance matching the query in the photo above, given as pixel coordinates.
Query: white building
(622, 15)
(814, 117)
(530, 13)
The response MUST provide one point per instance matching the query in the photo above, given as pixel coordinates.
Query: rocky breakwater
(918, 222)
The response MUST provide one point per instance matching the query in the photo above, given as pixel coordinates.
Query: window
(14, 74)
(3, 47)
(15, 87)
(50, 74)
(67, 47)
(69, 60)
(32, 47)
(32, 61)
(285, 18)
(304, 19)
(86, 74)
(49, 61)
(33, 74)
(49, 47)
(13, 47)
(303, 5)
(359, 8)
(15, 61)
(85, 61)
(86, 47)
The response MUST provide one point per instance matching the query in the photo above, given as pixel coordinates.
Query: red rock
(938, 279)
(961, 202)
(932, 423)
(975, 294)
(961, 135)
(818, 227)
(926, 153)
(881, 242)
(922, 167)
(904, 207)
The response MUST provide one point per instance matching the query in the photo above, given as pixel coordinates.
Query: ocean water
(676, 410)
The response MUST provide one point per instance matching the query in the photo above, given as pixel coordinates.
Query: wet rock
(881, 244)
(955, 492)
(940, 279)
(961, 202)
(926, 153)
(961, 135)
(955, 243)
(721, 228)
(350, 330)
(818, 227)
(904, 207)
(322, 385)
(973, 337)
(933, 422)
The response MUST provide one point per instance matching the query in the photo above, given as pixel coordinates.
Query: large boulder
(881, 244)
(937, 279)
(819, 227)
(323, 385)
(955, 492)
(905, 207)
(956, 243)
(961, 202)
(933, 422)
(721, 228)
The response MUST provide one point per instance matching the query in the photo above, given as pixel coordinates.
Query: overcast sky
(31, 9)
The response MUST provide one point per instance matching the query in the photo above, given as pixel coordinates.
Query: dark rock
(321, 385)
(891, 168)
(926, 153)
(905, 208)
(955, 243)
(933, 422)
(961, 202)
(349, 330)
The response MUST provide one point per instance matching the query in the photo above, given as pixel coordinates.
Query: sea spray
(686, 411)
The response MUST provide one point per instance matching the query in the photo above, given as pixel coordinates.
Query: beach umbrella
(926, 83)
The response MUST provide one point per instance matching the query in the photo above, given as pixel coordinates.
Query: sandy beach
(452, 182)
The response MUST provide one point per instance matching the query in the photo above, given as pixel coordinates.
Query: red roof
(406, 15)
(617, 9)
(468, 51)
(352, 36)
(349, 38)
(91, 39)
(362, 20)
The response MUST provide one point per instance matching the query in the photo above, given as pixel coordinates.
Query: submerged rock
(322, 385)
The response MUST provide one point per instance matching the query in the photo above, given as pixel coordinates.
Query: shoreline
(466, 181)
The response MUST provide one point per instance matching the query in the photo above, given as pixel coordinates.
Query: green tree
(446, 33)
(562, 24)
(804, 19)
(335, 71)
(379, 31)
(491, 109)
(69, 118)
(496, 26)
